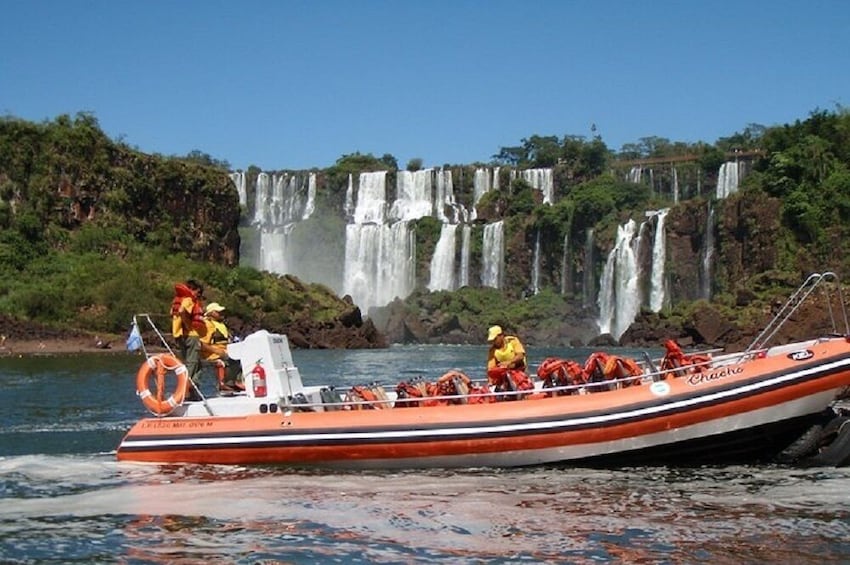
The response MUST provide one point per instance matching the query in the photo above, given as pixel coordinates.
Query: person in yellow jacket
(506, 351)
(214, 349)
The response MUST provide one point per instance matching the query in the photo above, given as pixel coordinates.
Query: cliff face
(746, 239)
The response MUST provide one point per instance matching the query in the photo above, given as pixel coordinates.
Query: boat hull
(735, 412)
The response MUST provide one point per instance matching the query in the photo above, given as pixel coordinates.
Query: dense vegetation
(93, 231)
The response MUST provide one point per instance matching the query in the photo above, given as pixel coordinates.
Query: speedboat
(682, 409)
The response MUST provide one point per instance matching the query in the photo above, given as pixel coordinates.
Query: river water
(65, 499)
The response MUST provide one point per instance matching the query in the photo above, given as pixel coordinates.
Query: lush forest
(94, 231)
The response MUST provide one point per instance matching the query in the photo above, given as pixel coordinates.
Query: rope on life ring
(158, 366)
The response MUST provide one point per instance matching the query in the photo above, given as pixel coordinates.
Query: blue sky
(297, 84)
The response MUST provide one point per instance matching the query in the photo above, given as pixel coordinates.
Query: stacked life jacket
(509, 380)
(680, 364)
(558, 373)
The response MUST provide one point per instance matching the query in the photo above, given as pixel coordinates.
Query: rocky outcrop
(347, 331)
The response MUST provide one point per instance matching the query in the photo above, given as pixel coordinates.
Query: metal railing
(794, 303)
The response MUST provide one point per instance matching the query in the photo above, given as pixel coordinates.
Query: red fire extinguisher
(258, 377)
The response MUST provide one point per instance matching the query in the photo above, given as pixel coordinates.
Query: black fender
(836, 445)
(805, 445)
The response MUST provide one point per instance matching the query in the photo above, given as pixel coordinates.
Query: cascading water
(627, 268)
(413, 199)
(443, 260)
(378, 257)
(493, 255)
(463, 275)
(240, 181)
(727, 179)
(675, 186)
(540, 179)
(282, 201)
(618, 288)
(444, 199)
(707, 254)
(659, 256)
(587, 273)
(565, 265)
(482, 183)
(376, 263)
(371, 201)
(535, 266)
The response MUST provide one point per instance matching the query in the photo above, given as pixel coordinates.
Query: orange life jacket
(680, 364)
(556, 372)
(182, 291)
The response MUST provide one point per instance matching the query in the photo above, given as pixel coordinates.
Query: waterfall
(618, 289)
(310, 207)
(282, 202)
(444, 198)
(463, 275)
(493, 255)
(371, 201)
(727, 179)
(675, 186)
(565, 264)
(540, 179)
(587, 273)
(262, 200)
(659, 256)
(443, 260)
(378, 263)
(481, 185)
(535, 266)
(707, 255)
(378, 257)
(240, 182)
(348, 207)
(634, 175)
(413, 198)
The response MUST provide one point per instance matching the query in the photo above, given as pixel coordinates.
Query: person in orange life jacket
(187, 327)
(214, 347)
(506, 351)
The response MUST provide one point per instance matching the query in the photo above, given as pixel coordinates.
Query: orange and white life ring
(159, 366)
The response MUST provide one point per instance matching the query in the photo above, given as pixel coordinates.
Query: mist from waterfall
(282, 201)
